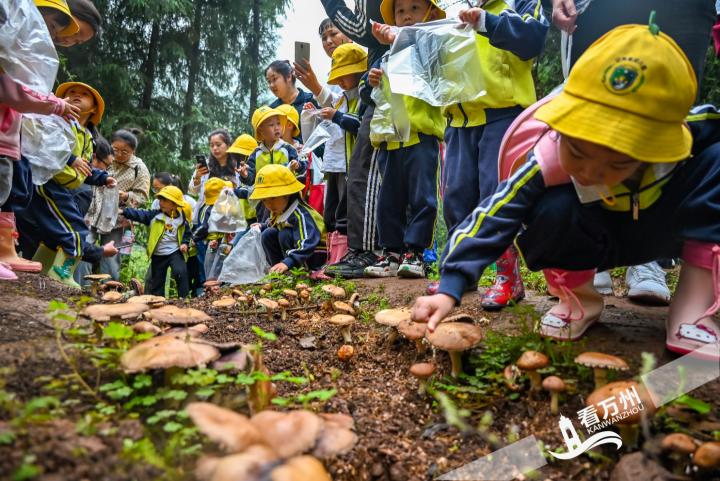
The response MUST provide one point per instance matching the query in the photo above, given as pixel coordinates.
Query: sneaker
(433, 287)
(352, 265)
(603, 283)
(386, 266)
(412, 266)
(646, 283)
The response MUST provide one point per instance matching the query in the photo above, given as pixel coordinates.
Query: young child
(597, 198)
(291, 128)
(203, 237)
(509, 36)
(294, 229)
(243, 147)
(168, 239)
(410, 170)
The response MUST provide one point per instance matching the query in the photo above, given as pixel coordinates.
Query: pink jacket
(16, 100)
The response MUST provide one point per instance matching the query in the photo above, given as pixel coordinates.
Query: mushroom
(269, 305)
(334, 440)
(113, 312)
(250, 299)
(626, 420)
(414, 331)
(679, 447)
(147, 299)
(211, 284)
(305, 296)
(225, 302)
(345, 353)
(284, 304)
(231, 430)
(511, 373)
(247, 466)
(289, 433)
(422, 372)
(301, 286)
(201, 328)
(392, 317)
(341, 307)
(290, 293)
(115, 286)
(174, 315)
(145, 327)
(95, 280)
(337, 420)
(182, 333)
(601, 364)
(112, 297)
(530, 362)
(707, 456)
(238, 293)
(455, 337)
(242, 300)
(235, 361)
(301, 468)
(163, 352)
(334, 291)
(268, 287)
(555, 385)
(353, 299)
(346, 323)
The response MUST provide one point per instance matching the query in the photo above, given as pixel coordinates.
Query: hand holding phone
(302, 53)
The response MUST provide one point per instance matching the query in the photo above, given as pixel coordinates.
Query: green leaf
(142, 380)
(109, 387)
(281, 401)
(115, 330)
(120, 393)
(176, 395)
(265, 335)
(7, 437)
(172, 427)
(692, 403)
(514, 396)
(205, 392)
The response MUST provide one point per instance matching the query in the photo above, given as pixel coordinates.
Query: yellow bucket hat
(630, 92)
(97, 116)
(243, 145)
(347, 59)
(292, 116)
(61, 5)
(261, 115)
(387, 9)
(173, 194)
(275, 180)
(213, 187)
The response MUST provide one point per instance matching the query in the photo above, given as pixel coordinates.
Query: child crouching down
(609, 182)
(294, 229)
(168, 240)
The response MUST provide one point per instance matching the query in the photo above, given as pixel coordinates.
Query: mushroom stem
(629, 434)
(679, 462)
(94, 288)
(422, 385)
(283, 314)
(421, 346)
(345, 331)
(600, 377)
(535, 380)
(554, 403)
(456, 357)
(393, 336)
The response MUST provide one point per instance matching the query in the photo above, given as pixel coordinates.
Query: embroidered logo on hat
(260, 179)
(624, 76)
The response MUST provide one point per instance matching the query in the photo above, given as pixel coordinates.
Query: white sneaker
(646, 283)
(386, 266)
(603, 283)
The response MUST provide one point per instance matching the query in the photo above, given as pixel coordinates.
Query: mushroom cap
(116, 284)
(334, 440)
(175, 315)
(268, 303)
(345, 353)
(614, 389)
(412, 330)
(392, 317)
(181, 333)
(242, 299)
(707, 455)
(224, 302)
(678, 443)
(198, 328)
(342, 307)
(268, 287)
(146, 299)
(97, 277)
(455, 336)
(334, 291)
(238, 359)
(290, 293)
(532, 361)
(459, 318)
(342, 320)
(510, 372)
(103, 312)
(162, 352)
(211, 283)
(553, 384)
(304, 294)
(302, 468)
(246, 466)
(301, 286)
(112, 296)
(422, 370)
(289, 433)
(233, 431)
(284, 303)
(206, 466)
(238, 293)
(600, 360)
(145, 327)
(337, 420)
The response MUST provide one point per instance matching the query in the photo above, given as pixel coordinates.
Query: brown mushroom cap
(532, 361)
(614, 389)
(600, 360)
(334, 441)
(198, 328)
(144, 327)
(459, 318)
(268, 287)
(233, 431)
(163, 352)
(116, 285)
(235, 361)
(678, 443)
(422, 370)
(103, 312)
(290, 293)
(412, 330)
(392, 317)
(112, 296)
(554, 384)
(302, 468)
(342, 320)
(289, 433)
(707, 455)
(246, 466)
(510, 372)
(97, 277)
(337, 420)
(206, 466)
(238, 293)
(224, 303)
(335, 291)
(175, 315)
(455, 336)
(211, 283)
(342, 307)
(146, 299)
(304, 294)
(345, 353)
(181, 333)
(301, 286)
(269, 304)
(284, 303)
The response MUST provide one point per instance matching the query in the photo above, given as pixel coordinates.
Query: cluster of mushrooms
(270, 445)
(687, 454)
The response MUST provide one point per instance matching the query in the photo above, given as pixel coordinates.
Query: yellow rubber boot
(63, 268)
(46, 257)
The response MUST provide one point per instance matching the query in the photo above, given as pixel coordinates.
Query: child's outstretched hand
(109, 249)
(242, 170)
(213, 244)
(432, 309)
(70, 112)
(472, 16)
(375, 76)
(384, 33)
(294, 165)
(328, 113)
(308, 106)
(280, 268)
(111, 182)
(82, 167)
(184, 248)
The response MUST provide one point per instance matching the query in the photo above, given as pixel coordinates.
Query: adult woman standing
(133, 179)
(281, 82)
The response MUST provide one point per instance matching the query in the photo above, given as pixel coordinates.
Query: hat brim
(336, 73)
(387, 10)
(239, 150)
(264, 117)
(73, 27)
(95, 118)
(261, 192)
(642, 138)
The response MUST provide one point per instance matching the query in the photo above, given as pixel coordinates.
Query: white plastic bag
(47, 142)
(214, 261)
(390, 121)
(437, 62)
(226, 215)
(316, 130)
(109, 209)
(309, 119)
(27, 53)
(247, 262)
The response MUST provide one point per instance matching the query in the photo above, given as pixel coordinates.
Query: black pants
(160, 264)
(363, 189)
(336, 211)
(194, 279)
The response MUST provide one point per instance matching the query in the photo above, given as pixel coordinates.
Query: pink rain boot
(8, 233)
(689, 323)
(579, 308)
(6, 273)
(508, 285)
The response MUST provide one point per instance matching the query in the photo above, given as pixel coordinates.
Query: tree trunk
(193, 72)
(255, 54)
(150, 65)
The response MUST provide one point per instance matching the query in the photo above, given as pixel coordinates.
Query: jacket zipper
(636, 205)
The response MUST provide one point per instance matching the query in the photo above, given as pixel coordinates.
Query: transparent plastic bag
(316, 130)
(247, 262)
(109, 209)
(27, 53)
(214, 261)
(47, 142)
(226, 215)
(309, 119)
(437, 62)
(390, 121)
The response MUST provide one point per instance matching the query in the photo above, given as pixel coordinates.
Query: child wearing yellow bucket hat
(294, 230)
(58, 18)
(168, 239)
(608, 180)
(292, 126)
(213, 187)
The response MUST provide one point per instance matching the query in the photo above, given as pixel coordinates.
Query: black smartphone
(122, 246)
(201, 161)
